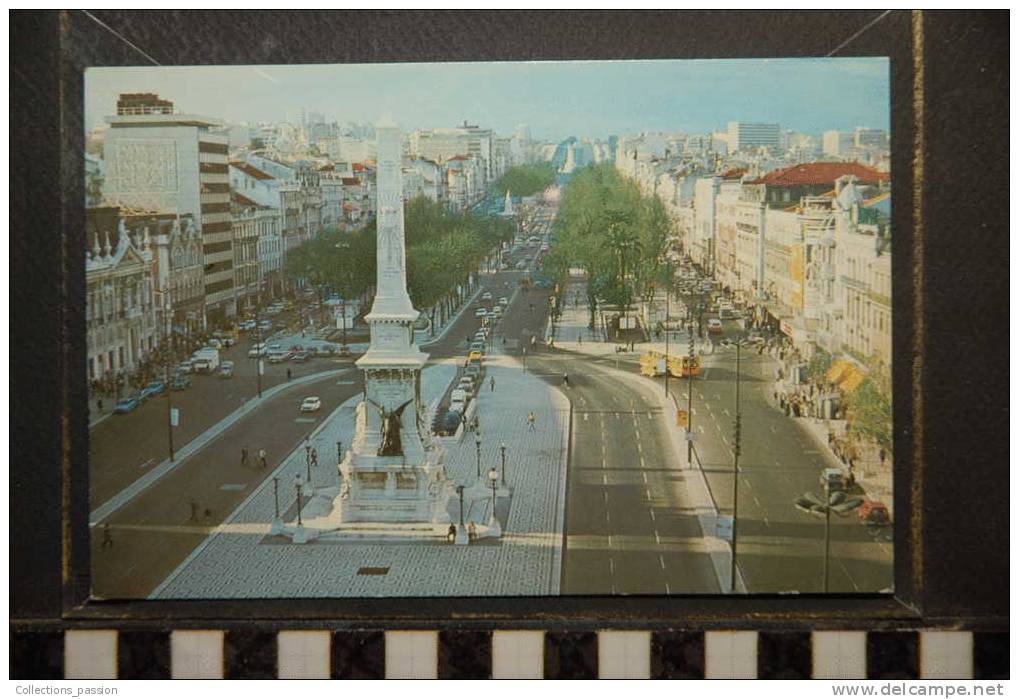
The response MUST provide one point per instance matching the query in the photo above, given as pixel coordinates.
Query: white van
(458, 396)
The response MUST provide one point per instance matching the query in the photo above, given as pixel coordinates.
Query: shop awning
(845, 375)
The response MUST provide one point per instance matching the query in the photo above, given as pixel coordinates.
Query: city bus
(654, 363)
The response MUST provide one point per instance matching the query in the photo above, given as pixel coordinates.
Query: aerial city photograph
(489, 329)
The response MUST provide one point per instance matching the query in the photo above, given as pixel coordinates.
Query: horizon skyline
(661, 96)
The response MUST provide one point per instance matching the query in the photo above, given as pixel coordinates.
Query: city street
(779, 548)
(629, 530)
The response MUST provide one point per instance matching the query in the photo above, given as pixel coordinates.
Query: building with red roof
(784, 187)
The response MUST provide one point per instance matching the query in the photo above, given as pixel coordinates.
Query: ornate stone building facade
(120, 303)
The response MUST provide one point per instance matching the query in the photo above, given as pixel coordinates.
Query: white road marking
(668, 590)
(661, 561)
(586, 416)
(644, 477)
(652, 511)
(766, 522)
(757, 502)
(658, 540)
(701, 428)
(610, 541)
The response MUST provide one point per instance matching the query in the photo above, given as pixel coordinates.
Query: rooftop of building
(820, 173)
(250, 170)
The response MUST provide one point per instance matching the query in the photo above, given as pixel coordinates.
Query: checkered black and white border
(673, 654)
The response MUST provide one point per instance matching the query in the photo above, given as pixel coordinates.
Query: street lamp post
(258, 353)
(169, 408)
(827, 529)
(502, 451)
(277, 523)
(477, 444)
(737, 436)
(495, 529)
(689, 396)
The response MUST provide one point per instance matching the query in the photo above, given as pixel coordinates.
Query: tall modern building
(162, 161)
(744, 135)
(836, 143)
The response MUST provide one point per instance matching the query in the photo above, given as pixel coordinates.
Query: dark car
(153, 389)
(180, 382)
(451, 421)
(126, 405)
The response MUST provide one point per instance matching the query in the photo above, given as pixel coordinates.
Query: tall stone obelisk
(393, 471)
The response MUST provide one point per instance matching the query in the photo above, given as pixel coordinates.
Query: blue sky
(557, 99)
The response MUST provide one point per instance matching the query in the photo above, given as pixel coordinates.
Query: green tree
(525, 180)
(869, 408)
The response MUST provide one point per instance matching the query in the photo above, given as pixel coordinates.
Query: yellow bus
(657, 363)
(684, 366)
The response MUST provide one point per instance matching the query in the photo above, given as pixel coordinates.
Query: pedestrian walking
(881, 455)
(314, 458)
(261, 458)
(451, 533)
(530, 421)
(208, 514)
(491, 383)
(194, 512)
(566, 380)
(107, 539)
(289, 374)
(244, 456)
(99, 404)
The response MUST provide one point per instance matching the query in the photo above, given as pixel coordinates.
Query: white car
(487, 296)
(311, 404)
(480, 313)
(503, 301)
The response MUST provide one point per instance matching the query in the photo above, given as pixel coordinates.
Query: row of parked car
(468, 384)
(128, 404)
(276, 354)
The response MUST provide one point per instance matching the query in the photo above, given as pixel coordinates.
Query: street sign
(174, 417)
(723, 528)
(682, 418)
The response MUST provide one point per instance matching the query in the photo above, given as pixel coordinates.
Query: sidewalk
(873, 477)
(239, 560)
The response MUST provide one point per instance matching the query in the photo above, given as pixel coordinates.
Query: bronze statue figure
(390, 430)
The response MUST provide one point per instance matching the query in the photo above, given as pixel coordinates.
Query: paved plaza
(240, 560)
